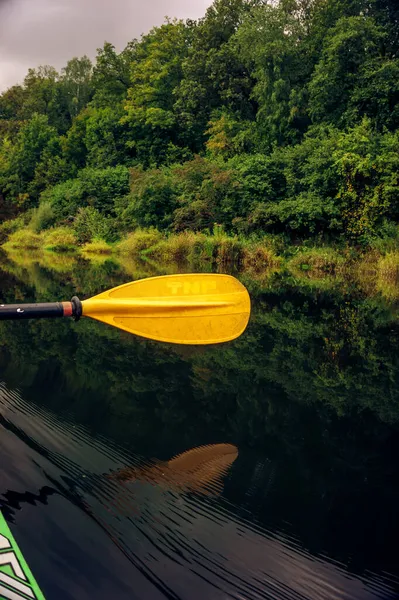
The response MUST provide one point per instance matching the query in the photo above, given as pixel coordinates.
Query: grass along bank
(377, 269)
(187, 246)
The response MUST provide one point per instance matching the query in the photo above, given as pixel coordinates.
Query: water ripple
(171, 519)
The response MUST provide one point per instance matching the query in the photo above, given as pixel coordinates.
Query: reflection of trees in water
(333, 349)
(309, 394)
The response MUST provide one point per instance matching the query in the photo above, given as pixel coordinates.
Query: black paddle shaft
(45, 310)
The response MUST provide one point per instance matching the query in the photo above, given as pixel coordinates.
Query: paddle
(182, 309)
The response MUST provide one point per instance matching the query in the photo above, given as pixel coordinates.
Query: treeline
(262, 117)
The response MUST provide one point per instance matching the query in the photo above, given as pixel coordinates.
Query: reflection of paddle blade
(199, 469)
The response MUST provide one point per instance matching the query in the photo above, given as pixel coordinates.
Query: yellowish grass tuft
(139, 241)
(259, 257)
(322, 260)
(97, 247)
(60, 239)
(24, 239)
(388, 275)
(176, 247)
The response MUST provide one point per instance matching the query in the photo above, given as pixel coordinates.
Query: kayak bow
(16, 579)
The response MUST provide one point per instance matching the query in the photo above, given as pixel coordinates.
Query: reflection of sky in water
(170, 518)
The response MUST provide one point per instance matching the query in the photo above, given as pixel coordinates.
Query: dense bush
(151, 201)
(97, 188)
(90, 224)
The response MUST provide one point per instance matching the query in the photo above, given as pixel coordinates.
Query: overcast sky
(38, 32)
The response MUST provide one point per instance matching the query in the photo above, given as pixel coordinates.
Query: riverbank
(148, 252)
(257, 251)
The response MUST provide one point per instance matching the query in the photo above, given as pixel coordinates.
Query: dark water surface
(263, 468)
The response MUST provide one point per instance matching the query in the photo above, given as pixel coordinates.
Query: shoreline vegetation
(255, 257)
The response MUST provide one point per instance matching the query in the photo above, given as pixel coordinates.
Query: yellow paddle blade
(182, 309)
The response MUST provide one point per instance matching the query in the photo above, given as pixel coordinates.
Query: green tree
(270, 44)
(44, 95)
(350, 44)
(156, 72)
(76, 83)
(213, 74)
(151, 201)
(21, 159)
(105, 137)
(111, 74)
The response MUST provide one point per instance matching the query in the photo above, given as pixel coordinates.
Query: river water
(263, 468)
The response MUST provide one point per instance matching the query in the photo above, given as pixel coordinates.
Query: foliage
(24, 238)
(76, 81)
(90, 224)
(13, 225)
(43, 217)
(60, 239)
(97, 188)
(21, 159)
(139, 240)
(151, 201)
(97, 246)
(111, 74)
(264, 117)
(105, 137)
(155, 73)
(259, 257)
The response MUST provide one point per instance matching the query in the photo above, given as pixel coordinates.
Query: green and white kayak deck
(16, 579)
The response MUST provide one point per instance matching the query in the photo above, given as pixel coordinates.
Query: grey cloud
(34, 32)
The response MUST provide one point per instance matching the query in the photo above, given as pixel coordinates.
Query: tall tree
(111, 74)
(76, 81)
(270, 42)
(18, 161)
(44, 95)
(214, 75)
(351, 45)
(156, 73)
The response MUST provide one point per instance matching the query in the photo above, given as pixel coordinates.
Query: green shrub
(43, 217)
(11, 226)
(229, 250)
(387, 237)
(24, 238)
(151, 201)
(207, 193)
(203, 248)
(259, 257)
(92, 187)
(177, 247)
(89, 223)
(139, 241)
(61, 239)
